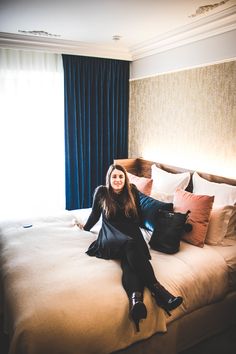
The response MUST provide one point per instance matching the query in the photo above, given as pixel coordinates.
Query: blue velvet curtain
(96, 123)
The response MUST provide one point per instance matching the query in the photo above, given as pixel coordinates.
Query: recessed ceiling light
(116, 37)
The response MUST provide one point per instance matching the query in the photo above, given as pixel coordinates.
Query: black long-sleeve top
(127, 226)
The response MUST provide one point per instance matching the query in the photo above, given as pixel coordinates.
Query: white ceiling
(87, 27)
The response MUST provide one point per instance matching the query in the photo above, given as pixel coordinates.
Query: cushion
(219, 224)
(200, 207)
(169, 229)
(231, 228)
(166, 182)
(225, 194)
(149, 208)
(164, 197)
(143, 184)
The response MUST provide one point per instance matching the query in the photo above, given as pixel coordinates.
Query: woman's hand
(77, 223)
(81, 226)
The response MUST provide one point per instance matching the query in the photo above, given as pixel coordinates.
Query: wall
(186, 118)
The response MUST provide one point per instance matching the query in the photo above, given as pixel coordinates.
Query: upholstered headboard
(141, 167)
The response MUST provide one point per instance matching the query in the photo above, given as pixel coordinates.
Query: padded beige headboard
(141, 167)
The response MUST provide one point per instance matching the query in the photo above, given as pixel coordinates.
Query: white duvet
(56, 299)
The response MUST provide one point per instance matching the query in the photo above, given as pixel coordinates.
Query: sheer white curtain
(31, 133)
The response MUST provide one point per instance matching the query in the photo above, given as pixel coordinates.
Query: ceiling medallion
(40, 33)
(203, 9)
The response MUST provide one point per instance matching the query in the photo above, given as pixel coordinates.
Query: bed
(55, 299)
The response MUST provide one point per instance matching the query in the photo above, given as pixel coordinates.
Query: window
(31, 133)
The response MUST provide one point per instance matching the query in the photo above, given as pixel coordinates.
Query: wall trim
(59, 46)
(185, 68)
(203, 28)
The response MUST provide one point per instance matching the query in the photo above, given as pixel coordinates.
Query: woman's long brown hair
(128, 201)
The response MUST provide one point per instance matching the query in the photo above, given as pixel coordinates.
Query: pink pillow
(200, 208)
(143, 184)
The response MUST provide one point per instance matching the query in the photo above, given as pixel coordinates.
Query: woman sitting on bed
(120, 238)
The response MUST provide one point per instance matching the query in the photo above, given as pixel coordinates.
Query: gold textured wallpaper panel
(186, 118)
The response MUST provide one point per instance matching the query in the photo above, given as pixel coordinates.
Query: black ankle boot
(138, 310)
(165, 299)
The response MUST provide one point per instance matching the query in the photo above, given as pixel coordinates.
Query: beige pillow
(219, 224)
(231, 229)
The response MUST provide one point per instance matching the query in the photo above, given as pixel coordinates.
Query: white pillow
(163, 197)
(219, 224)
(166, 182)
(225, 194)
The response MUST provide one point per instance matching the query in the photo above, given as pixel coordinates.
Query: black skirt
(109, 243)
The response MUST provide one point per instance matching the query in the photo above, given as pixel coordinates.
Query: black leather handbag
(169, 228)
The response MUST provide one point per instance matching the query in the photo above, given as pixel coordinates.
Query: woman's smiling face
(117, 180)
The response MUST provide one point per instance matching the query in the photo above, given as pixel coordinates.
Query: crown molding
(28, 42)
(203, 28)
